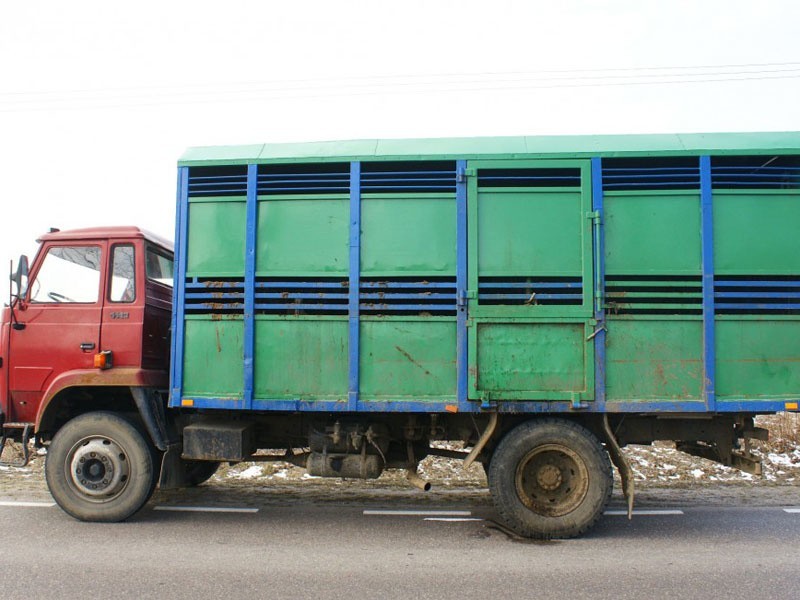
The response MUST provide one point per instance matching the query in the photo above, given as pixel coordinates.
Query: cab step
(16, 432)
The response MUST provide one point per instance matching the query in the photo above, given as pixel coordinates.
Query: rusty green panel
(758, 359)
(216, 238)
(654, 359)
(408, 359)
(408, 235)
(531, 360)
(523, 232)
(756, 232)
(212, 358)
(300, 358)
(653, 232)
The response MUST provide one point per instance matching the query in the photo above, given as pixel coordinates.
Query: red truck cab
(92, 323)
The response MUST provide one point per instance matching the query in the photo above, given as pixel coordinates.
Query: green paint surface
(297, 236)
(301, 358)
(212, 361)
(531, 358)
(654, 360)
(758, 359)
(524, 232)
(216, 238)
(648, 234)
(757, 233)
(408, 359)
(407, 236)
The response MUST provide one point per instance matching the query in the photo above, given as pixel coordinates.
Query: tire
(101, 467)
(199, 471)
(550, 478)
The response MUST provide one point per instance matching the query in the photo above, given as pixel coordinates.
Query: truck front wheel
(100, 467)
(550, 478)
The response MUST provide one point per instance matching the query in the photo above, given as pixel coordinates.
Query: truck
(540, 302)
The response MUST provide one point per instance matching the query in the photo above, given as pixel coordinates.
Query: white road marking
(452, 519)
(211, 509)
(643, 513)
(31, 504)
(792, 510)
(418, 513)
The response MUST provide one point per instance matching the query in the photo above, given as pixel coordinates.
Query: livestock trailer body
(572, 275)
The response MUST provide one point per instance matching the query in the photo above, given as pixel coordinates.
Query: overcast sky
(99, 99)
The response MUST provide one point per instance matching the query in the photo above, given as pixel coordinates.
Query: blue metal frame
(354, 287)
(598, 243)
(707, 253)
(179, 306)
(462, 314)
(251, 228)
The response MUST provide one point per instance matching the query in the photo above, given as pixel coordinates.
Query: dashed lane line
(209, 509)
(792, 510)
(417, 513)
(452, 519)
(642, 513)
(28, 504)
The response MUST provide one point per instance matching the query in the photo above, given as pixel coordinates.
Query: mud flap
(622, 464)
(173, 471)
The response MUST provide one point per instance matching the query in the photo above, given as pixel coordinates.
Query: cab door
(60, 321)
(530, 262)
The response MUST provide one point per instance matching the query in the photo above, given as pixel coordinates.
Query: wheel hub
(552, 480)
(98, 467)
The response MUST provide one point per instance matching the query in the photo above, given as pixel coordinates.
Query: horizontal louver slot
(532, 291)
(406, 296)
(317, 178)
(528, 178)
(665, 173)
(745, 295)
(214, 296)
(647, 294)
(408, 177)
(217, 181)
(755, 172)
(317, 296)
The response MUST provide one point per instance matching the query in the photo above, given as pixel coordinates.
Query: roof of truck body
(92, 233)
(573, 146)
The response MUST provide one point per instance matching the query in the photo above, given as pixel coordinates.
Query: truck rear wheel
(550, 478)
(100, 467)
(199, 471)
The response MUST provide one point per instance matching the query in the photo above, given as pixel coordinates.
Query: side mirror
(20, 276)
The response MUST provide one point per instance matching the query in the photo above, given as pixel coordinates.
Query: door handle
(86, 346)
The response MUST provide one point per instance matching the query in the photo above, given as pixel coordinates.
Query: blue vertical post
(598, 248)
(178, 303)
(354, 285)
(251, 227)
(462, 360)
(707, 253)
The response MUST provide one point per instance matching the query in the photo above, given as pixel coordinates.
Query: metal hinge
(594, 216)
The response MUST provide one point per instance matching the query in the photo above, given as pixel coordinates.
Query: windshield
(68, 274)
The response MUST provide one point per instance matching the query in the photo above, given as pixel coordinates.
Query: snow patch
(250, 472)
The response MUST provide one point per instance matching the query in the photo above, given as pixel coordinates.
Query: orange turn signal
(102, 360)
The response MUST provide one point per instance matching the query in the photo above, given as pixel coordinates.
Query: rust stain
(219, 344)
(411, 359)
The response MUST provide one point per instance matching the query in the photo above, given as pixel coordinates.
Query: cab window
(159, 267)
(123, 274)
(69, 274)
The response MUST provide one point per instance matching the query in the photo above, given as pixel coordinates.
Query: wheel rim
(552, 480)
(99, 468)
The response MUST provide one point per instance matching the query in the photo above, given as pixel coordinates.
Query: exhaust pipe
(417, 481)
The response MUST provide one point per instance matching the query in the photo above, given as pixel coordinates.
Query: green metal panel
(532, 360)
(407, 358)
(757, 232)
(573, 146)
(216, 237)
(212, 357)
(524, 232)
(654, 359)
(301, 358)
(408, 235)
(758, 359)
(652, 232)
(302, 237)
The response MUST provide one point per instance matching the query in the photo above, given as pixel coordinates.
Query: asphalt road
(305, 551)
